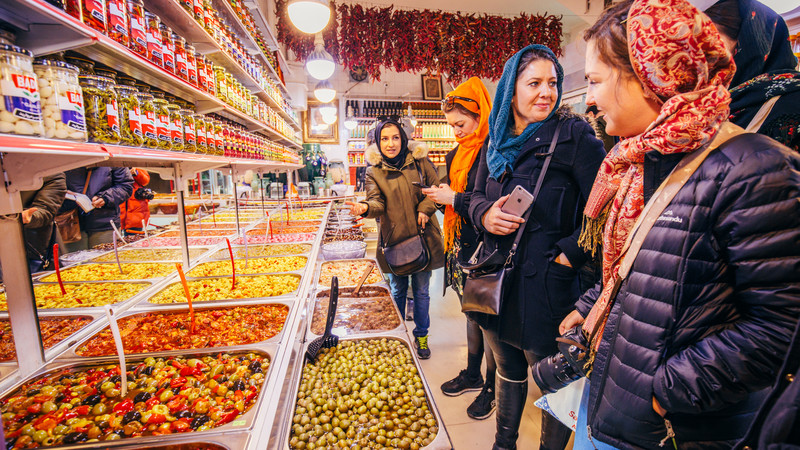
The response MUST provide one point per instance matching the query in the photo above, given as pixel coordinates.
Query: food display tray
(299, 271)
(399, 331)
(213, 256)
(320, 262)
(204, 249)
(72, 354)
(99, 309)
(230, 440)
(440, 442)
(290, 296)
(39, 278)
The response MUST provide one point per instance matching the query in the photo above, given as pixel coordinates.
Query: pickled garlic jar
(62, 100)
(21, 107)
(101, 108)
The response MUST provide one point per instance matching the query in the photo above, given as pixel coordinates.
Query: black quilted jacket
(704, 319)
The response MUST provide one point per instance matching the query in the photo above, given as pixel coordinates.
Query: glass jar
(100, 105)
(199, 12)
(189, 135)
(124, 80)
(118, 27)
(138, 35)
(21, 107)
(191, 64)
(130, 113)
(163, 133)
(148, 119)
(85, 66)
(168, 47)
(211, 141)
(74, 9)
(231, 89)
(181, 69)
(104, 72)
(219, 137)
(209, 16)
(94, 14)
(222, 89)
(200, 131)
(211, 77)
(61, 99)
(175, 127)
(188, 5)
(156, 55)
(202, 76)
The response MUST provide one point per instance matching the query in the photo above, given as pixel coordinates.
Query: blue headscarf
(503, 145)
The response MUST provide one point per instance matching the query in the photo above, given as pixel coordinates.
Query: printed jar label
(180, 65)
(117, 19)
(154, 44)
(169, 58)
(149, 124)
(191, 138)
(192, 73)
(162, 128)
(201, 138)
(96, 9)
(176, 130)
(112, 114)
(137, 31)
(133, 122)
(71, 106)
(21, 94)
(203, 79)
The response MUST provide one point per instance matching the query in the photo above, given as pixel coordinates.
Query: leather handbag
(410, 255)
(68, 223)
(484, 286)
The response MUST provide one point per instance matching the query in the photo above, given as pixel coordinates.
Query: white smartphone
(518, 202)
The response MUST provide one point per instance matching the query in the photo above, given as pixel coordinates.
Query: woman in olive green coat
(403, 210)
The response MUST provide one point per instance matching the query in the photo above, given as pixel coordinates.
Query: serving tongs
(327, 340)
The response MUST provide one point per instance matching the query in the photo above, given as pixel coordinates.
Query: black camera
(143, 193)
(568, 365)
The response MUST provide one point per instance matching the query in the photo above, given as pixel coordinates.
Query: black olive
(115, 379)
(146, 370)
(176, 390)
(185, 414)
(238, 385)
(165, 385)
(75, 437)
(199, 421)
(255, 367)
(91, 400)
(33, 392)
(142, 397)
(65, 377)
(130, 416)
(60, 398)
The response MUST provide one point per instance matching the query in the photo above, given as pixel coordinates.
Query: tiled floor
(448, 343)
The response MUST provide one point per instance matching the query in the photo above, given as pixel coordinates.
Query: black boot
(510, 397)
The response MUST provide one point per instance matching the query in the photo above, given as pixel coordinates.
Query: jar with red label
(176, 126)
(163, 133)
(188, 5)
(199, 12)
(94, 14)
(189, 134)
(212, 78)
(191, 64)
(118, 27)
(20, 97)
(209, 16)
(148, 119)
(154, 43)
(74, 8)
(138, 30)
(181, 68)
(200, 131)
(220, 138)
(101, 109)
(168, 47)
(130, 114)
(202, 75)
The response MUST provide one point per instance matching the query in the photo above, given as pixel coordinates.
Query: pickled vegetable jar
(21, 107)
(154, 42)
(94, 14)
(163, 133)
(191, 64)
(130, 116)
(85, 66)
(212, 82)
(202, 75)
(200, 131)
(138, 37)
(100, 104)
(118, 27)
(222, 84)
(168, 48)
(220, 138)
(62, 100)
(181, 68)
(176, 127)
(148, 119)
(189, 134)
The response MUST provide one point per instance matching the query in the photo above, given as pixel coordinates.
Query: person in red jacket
(136, 209)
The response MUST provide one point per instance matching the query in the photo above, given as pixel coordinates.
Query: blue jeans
(420, 285)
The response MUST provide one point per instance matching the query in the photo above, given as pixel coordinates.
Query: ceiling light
(324, 92)
(330, 119)
(350, 122)
(309, 16)
(319, 63)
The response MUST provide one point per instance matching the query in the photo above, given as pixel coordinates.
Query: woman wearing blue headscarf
(544, 285)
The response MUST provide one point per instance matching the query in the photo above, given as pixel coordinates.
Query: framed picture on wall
(315, 130)
(431, 87)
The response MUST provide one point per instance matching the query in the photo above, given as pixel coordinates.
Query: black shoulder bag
(410, 255)
(485, 284)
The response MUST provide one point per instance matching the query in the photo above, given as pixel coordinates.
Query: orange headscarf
(468, 149)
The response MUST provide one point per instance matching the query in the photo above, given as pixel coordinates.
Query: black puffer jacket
(704, 318)
(112, 184)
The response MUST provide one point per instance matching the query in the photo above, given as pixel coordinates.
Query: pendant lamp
(309, 16)
(319, 63)
(350, 122)
(324, 92)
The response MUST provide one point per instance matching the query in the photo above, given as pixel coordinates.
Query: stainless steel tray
(214, 257)
(40, 278)
(400, 330)
(287, 296)
(442, 439)
(218, 441)
(299, 271)
(72, 354)
(318, 271)
(99, 309)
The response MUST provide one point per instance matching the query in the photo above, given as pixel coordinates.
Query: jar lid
(145, 95)
(126, 80)
(148, 15)
(143, 87)
(15, 49)
(96, 79)
(164, 27)
(108, 73)
(54, 63)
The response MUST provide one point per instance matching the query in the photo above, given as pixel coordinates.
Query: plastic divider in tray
(242, 423)
(72, 352)
(135, 298)
(40, 278)
(349, 309)
(224, 301)
(342, 283)
(222, 254)
(442, 439)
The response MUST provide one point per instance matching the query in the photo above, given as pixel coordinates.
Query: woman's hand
(357, 209)
(27, 215)
(422, 220)
(442, 195)
(98, 202)
(497, 222)
(572, 320)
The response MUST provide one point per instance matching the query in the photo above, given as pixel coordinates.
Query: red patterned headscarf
(679, 58)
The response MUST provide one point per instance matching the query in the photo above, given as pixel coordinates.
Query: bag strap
(761, 115)
(421, 180)
(539, 182)
(88, 177)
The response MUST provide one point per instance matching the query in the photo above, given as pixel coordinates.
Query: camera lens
(553, 373)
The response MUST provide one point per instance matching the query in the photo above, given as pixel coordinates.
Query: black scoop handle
(332, 303)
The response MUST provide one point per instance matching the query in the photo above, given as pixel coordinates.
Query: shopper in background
(544, 286)
(108, 188)
(467, 111)
(39, 210)
(682, 349)
(403, 210)
(135, 212)
(765, 68)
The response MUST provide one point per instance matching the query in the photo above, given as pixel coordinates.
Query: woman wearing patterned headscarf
(685, 332)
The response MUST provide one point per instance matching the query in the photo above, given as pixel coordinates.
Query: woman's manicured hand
(442, 195)
(497, 222)
(422, 220)
(572, 320)
(357, 209)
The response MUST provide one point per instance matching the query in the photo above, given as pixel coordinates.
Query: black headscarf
(398, 161)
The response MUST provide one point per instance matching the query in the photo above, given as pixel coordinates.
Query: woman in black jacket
(467, 110)
(544, 286)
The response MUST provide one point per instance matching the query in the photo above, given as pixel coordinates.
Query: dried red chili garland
(458, 45)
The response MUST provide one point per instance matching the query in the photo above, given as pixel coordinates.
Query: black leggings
(476, 344)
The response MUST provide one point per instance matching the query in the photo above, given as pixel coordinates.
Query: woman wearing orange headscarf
(467, 111)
